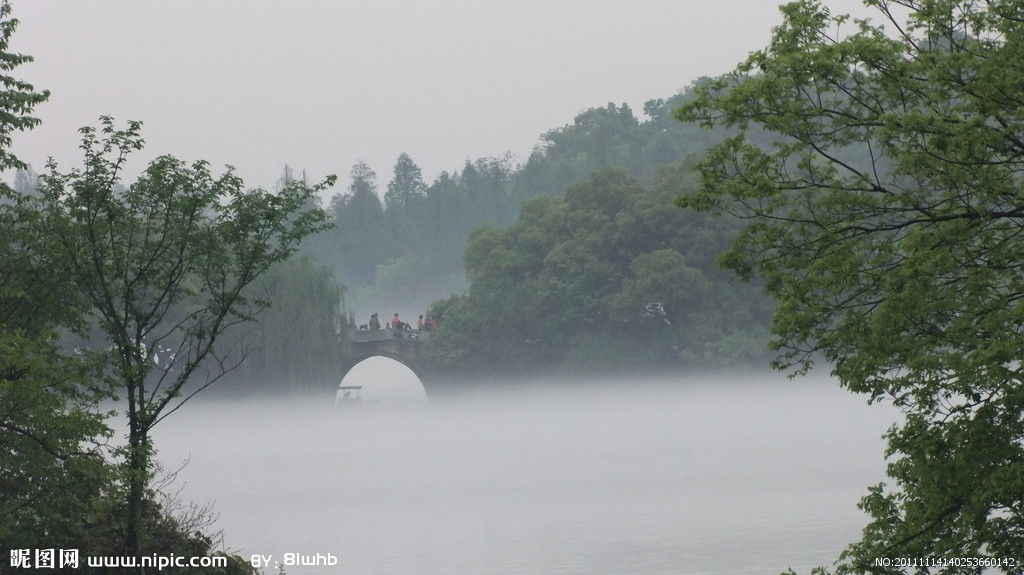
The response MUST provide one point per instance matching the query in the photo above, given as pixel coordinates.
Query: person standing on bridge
(374, 322)
(396, 323)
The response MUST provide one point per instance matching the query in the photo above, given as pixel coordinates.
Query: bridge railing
(362, 335)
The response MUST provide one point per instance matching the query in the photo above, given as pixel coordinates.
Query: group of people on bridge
(424, 323)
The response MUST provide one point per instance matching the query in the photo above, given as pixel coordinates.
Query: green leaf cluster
(879, 170)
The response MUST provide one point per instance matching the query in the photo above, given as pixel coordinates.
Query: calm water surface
(699, 477)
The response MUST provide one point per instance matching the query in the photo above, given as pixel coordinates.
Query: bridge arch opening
(387, 381)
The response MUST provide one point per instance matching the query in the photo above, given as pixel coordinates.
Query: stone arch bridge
(403, 346)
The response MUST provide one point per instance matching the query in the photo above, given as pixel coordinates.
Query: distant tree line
(399, 244)
(407, 246)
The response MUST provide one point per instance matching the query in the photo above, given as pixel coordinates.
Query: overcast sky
(321, 84)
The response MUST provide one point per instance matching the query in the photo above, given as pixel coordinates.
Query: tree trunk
(137, 473)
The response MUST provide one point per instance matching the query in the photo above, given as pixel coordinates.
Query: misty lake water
(707, 476)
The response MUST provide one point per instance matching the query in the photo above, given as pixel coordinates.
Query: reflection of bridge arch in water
(405, 347)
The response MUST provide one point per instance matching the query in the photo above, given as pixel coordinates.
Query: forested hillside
(570, 266)
(399, 241)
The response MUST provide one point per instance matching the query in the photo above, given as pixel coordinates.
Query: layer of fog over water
(711, 476)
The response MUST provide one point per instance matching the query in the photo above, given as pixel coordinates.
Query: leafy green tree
(612, 136)
(443, 237)
(406, 188)
(487, 184)
(603, 280)
(57, 486)
(163, 267)
(885, 217)
(17, 98)
(403, 201)
(359, 240)
(51, 466)
(599, 136)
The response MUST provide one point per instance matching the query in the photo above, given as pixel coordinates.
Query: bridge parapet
(364, 335)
